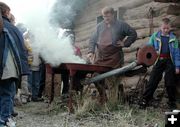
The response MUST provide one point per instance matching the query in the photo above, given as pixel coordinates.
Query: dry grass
(122, 116)
(91, 115)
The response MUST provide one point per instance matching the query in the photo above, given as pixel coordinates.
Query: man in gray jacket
(109, 38)
(105, 46)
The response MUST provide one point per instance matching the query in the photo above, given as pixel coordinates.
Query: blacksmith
(109, 38)
(105, 45)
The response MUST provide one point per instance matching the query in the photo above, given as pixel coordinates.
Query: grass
(123, 115)
(92, 115)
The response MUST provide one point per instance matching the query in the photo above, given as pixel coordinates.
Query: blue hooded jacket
(11, 37)
(174, 47)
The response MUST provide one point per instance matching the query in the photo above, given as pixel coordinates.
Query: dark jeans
(65, 80)
(7, 90)
(34, 79)
(42, 79)
(156, 76)
(76, 81)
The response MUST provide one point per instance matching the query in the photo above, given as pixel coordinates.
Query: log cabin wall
(144, 15)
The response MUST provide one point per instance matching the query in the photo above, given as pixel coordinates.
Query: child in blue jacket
(168, 61)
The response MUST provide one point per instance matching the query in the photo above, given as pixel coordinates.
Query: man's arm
(130, 33)
(22, 50)
(92, 42)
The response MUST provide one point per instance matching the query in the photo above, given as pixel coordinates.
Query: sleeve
(93, 40)
(177, 54)
(151, 40)
(130, 32)
(22, 51)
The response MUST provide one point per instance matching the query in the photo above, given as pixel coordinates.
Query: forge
(77, 73)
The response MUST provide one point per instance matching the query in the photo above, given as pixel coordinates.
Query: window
(100, 18)
(121, 11)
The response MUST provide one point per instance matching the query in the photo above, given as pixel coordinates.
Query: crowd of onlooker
(22, 68)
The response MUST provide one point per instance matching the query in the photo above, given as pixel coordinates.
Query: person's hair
(12, 18)
(107, 10)
(4, 8)
(166, 21)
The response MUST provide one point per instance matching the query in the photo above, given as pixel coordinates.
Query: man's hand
(120, 43)
(177, 71)
(90, 57)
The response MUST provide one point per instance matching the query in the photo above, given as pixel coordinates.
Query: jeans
(7, 90)
(65, 79)
(34, 82)
(42, 79)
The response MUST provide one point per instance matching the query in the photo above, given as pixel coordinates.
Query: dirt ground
(38, 114)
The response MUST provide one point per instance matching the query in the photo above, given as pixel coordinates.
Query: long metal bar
(111, 73)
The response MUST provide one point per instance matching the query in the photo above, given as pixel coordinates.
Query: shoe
(143, 104)
(37, 99)
(17, 102)
(29, 98)
(11, 123)
(24, 100)
(14, 114)
(64, 96)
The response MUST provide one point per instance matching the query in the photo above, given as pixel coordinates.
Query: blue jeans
(42, 79)
(7, 89)
(34, 82)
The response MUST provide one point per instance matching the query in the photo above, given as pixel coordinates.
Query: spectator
(166, 45)
(13, 63)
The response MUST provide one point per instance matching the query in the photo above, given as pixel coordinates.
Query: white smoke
(36, 15)
(67, 9)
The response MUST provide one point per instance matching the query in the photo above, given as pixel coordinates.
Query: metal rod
(111, 73)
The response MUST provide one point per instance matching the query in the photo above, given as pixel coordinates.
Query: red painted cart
(76, 72)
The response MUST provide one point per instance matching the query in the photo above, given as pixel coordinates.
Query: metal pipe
(110, 73)
(145, 56)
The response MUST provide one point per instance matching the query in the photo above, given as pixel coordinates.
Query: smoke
(65, 11)
(44, 18)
